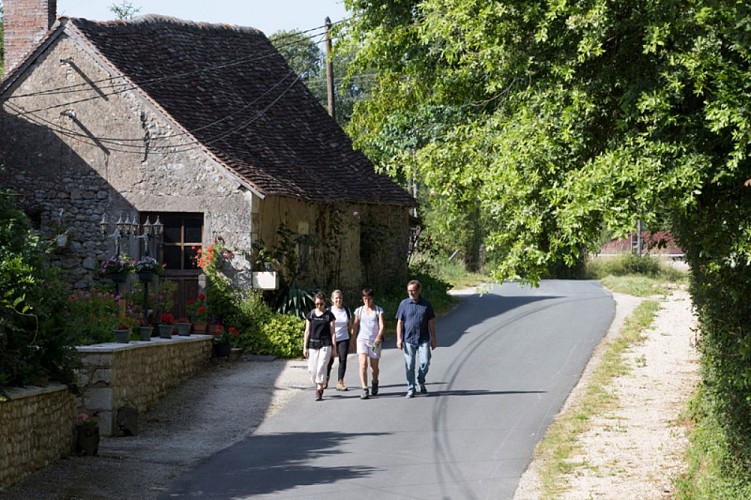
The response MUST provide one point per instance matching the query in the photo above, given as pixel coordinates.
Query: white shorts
(365, 347)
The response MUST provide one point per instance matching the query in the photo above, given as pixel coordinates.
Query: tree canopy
(553, 121)
(554, 118)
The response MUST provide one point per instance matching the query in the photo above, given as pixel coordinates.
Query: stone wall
(137, 374)
(36, 429)
(37, 424)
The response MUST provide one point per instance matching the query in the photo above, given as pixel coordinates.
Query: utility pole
(329, 71)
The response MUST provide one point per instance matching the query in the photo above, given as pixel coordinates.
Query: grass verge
(711, 471)
(558, 449)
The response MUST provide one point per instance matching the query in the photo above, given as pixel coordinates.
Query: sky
(268, 16)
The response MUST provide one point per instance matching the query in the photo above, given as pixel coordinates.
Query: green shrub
(91, 316)
(32, 346)
(280, 335)
(623, 265)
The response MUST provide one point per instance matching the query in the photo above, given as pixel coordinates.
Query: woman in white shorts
(368, 329)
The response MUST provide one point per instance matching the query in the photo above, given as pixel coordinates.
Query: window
(180, 239)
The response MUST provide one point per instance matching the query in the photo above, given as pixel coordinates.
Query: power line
(78, 87)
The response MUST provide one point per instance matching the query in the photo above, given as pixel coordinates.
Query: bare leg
(363, 370)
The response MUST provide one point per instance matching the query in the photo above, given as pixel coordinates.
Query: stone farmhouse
(202, 125)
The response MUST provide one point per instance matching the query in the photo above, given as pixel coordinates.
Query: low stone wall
(137, 374)
(36, 429)
(37, 424)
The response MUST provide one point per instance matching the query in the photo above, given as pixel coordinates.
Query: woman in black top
(318, 342)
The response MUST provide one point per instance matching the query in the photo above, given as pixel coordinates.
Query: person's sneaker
(374, 389)
(364, 394)
(410, 393)
(319, 394)
(340, 386)
(423, 389)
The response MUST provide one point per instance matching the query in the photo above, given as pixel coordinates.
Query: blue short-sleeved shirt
(415, 317)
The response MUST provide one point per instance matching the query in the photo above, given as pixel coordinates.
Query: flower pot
(199, 327)
(145, 332)
(61, 240)
(146, 276)
(87, 439)
(183, 329)
(234, 353)
(165, 331)
(222, 350)
(120, 277)
(121, 336)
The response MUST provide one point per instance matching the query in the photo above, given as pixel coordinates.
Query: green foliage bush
(279, 335)
(91, 316)
(33, 348)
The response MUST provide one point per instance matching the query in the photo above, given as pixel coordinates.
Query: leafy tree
(556, 120)
(300, 51)
(304, 55)
(124, 10)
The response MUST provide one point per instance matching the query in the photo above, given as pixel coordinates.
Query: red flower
(201, 296)
(234, 331)
(167, 319)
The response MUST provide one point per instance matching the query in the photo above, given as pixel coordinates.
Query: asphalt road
(505, 364)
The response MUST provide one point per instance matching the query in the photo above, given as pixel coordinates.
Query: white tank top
(368, 323)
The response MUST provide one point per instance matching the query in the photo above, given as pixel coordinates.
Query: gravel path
(636, 451)
(632, 453)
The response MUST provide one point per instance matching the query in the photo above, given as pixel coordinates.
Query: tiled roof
(237, 96)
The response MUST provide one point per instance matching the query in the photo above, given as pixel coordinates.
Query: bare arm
(305, 338)
(379, 337)
(399, 331)
(433, 338)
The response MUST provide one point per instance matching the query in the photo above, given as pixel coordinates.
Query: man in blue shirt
(415, 335)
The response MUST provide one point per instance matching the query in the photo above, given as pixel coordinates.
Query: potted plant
(122, 331)
(117, 267)
(61, 233)
(145, 330)
(147, 267)
(183, 326)
(87, 435)
(198, 312)
(224, 340)
(166, 325)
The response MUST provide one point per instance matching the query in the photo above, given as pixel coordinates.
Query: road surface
(507, 359)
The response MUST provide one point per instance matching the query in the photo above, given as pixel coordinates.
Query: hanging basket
(146, 276)
(119, 277)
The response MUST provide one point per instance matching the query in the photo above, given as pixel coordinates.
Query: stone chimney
(26, 23)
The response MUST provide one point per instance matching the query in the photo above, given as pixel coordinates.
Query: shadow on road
(268, 464)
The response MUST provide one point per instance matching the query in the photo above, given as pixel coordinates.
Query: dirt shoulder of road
(636, 450)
